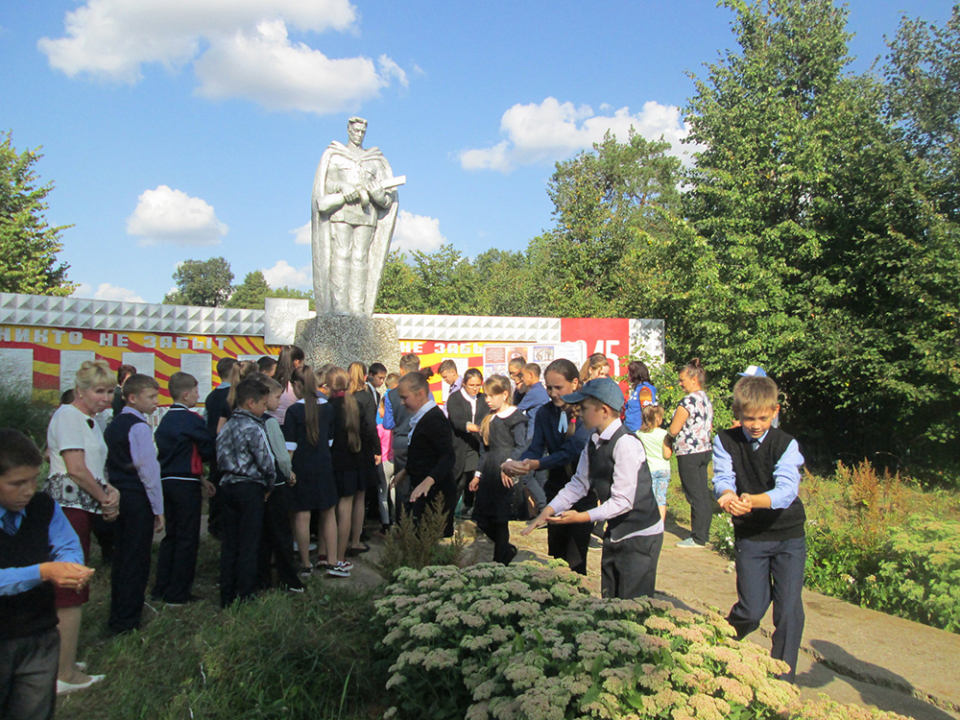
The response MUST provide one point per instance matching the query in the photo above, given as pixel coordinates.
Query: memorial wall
(43, 340)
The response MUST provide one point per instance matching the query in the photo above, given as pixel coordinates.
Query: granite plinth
(343, 339)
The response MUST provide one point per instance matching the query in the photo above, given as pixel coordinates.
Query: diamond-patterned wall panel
(456, 328)
(83, 313)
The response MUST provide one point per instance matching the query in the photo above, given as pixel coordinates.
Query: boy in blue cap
(614, 465)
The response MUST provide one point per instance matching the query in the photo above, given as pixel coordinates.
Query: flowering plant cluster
(528, 642)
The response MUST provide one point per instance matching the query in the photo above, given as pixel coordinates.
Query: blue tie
(10, 523)
(755, 444)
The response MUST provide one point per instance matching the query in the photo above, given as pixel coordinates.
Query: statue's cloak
(371, 159)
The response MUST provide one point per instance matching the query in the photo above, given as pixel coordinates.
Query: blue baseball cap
(603, 389)
(754, 371)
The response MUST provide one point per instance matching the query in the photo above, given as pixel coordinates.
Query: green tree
(833, 270)
(923, 96)
(603, 199)
(400, 287)
(28, 245)
(250, 293)
(206, 283)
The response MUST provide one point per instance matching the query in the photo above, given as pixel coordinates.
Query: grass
(279, 656)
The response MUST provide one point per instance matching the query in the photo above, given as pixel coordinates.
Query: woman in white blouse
(77, 458)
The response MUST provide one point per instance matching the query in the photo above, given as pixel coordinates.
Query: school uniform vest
(645, 512)
(121, 471)
(754, 473)
(33, 611)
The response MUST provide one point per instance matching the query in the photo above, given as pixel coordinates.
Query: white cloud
(106, 291)
(417, 232)
(171, 216)
(240, 49)
(302, 235)
(552, 130)
(284, 274)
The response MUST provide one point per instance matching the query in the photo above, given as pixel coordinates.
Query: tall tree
(206, 283)
(832, 270)
(602, 199)
(28, 245)
(250, 293)
(923, 87)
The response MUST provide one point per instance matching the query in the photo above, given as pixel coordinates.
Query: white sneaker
(339, 570)
(65, 687)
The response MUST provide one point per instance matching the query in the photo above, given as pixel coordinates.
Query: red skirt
(81, 521)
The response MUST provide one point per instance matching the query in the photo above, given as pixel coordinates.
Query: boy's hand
(474, 484)
(539, 521)
(71, 576)
(746, 501)
(725, 499)
(292, 480)
(569, 517)
(473, 427)
(158, 524)
(398, 478)
(208, 488)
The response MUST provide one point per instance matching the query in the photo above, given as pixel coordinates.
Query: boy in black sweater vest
(38, 549)
(614, 465)
(133, 469)
(184, 444)
(756, 477)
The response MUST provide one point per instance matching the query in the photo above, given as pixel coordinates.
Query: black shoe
(353, 552)
(511, 554)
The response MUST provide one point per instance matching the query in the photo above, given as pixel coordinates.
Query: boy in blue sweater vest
(184, 444)
(38, 549)
(613, 464)
(756, 477)
(133, 469)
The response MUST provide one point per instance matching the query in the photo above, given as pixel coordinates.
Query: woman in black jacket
(466, 409)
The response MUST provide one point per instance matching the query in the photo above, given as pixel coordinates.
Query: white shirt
(627, 456)
(427, 407)
(472, 399)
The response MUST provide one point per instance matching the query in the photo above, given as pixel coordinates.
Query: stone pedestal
(343, 339)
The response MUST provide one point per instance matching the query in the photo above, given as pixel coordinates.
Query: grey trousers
(28, 676)
(771, 570)
(628, 569)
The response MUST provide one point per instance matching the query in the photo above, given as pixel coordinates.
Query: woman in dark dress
(308, 431)
(505, 434)
(467, 408)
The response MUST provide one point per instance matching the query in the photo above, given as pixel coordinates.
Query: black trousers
(276, 542)
(570, 543)
(463, 488)
(693, 480)
(177, 558)
(628, 569)
(499, 532)
(241, 515)
(28, 676)
(133, 537)
(771, 570)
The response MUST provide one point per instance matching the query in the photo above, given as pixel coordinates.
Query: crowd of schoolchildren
(292, 457)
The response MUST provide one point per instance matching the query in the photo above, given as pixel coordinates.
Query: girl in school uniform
(504, 432)
(308, 430)
(349, 461)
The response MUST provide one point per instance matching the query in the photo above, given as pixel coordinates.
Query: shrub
(31, 417)
(416, 545)
(527, 641)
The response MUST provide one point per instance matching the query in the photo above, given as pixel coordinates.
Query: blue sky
(187, 129)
